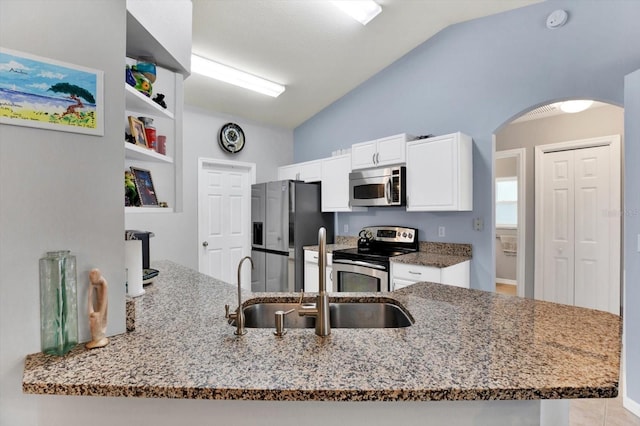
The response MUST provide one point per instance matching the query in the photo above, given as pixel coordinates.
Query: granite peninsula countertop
(464, 345)
(439, 255)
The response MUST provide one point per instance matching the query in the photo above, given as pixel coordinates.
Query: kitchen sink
(342, 315)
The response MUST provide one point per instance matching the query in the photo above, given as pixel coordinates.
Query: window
(507, 202)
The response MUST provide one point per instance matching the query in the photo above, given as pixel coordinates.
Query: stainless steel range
(366, 268)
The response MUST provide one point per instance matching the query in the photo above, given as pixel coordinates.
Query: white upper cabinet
(440, 173)
(308, 171)
(335, 184)
(380, 152)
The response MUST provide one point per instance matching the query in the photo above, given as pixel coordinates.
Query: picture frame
(48, 94)
(136, 128)
(144, 186)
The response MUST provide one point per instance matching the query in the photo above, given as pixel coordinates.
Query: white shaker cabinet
(440, 173)
(335, 184)
(404, 274)
(308, 171)
(311, 271)
(380, 152)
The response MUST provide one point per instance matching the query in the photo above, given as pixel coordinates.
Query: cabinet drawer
(311, 256)
(416, 273)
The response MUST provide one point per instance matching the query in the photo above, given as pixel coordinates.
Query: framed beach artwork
(49, 94)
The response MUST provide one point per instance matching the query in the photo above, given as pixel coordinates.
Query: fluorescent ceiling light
(233, 76)
(362, 11)
(575, 106)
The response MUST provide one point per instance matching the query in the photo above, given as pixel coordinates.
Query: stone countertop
(464, 345)
(330, 247)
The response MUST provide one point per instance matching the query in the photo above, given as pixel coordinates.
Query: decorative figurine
(159, 99)
(97, 312)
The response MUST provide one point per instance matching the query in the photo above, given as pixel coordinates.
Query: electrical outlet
(440, 231)
(478, 224)
(345, 228)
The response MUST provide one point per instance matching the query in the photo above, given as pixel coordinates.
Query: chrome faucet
(321, 309)
(238, 316)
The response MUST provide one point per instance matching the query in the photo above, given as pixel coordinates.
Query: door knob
(205, 244)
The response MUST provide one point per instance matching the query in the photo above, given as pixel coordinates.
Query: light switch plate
(440, 231)
(478, 224)
(638, 243)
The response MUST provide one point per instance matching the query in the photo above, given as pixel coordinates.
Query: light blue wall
(474, 77)
(631, 219)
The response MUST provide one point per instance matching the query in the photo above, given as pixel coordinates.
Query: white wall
(59, 190)
(176, 235)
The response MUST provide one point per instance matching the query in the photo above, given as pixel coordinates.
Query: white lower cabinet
(311, 272)
(404, 274)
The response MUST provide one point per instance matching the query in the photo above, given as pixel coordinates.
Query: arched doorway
(543, 125)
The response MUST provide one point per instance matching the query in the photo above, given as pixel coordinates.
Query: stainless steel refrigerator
(285, 216)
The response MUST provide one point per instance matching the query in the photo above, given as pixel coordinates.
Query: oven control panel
(392, 234)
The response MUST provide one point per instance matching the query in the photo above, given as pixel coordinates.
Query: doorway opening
(544, 125)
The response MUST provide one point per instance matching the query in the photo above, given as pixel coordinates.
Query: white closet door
(558, 202)
(592, 236)
(580, 235)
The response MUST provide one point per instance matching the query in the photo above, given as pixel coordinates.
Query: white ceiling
(312, 48)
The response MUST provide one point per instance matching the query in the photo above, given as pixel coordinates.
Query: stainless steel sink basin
(342, 315)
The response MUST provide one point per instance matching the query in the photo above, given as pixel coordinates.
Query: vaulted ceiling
(317, 52)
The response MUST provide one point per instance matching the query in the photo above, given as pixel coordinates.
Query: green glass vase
(58, 303)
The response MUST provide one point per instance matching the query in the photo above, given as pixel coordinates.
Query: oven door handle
(359, 263)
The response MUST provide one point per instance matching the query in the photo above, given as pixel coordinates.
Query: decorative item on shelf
(98, 302)
(163, 204)
(231, 138)
(130, 193)
(161, 146)
(143, 85)
(147, 67)
(58, 303)
(128, 77)
(144, 187)
(159, 99)
(136, 127)
(149, 131)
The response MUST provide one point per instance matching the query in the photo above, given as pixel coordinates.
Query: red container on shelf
(161, 146)
(150, 132)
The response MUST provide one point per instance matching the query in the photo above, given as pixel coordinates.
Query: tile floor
(600, 412)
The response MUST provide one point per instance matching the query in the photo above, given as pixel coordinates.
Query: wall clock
(231, 138)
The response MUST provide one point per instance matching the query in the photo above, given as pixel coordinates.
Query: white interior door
(224, 216)
(558, 199)
(578, 223)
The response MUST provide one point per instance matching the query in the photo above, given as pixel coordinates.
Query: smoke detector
(557, 18)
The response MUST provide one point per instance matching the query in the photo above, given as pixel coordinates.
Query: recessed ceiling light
(362, 11)
(221, 72)
(575, 106)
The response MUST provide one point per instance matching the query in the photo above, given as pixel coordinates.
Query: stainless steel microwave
(378, 187)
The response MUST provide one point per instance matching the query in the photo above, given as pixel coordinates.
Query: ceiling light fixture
(362, 11)
(575, 106)
(233, 76)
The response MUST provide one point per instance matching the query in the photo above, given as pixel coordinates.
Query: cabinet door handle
(377, 158)
(373, 158)
(415, 273)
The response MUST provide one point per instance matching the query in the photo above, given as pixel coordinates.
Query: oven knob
(410, 237)
(404, 235)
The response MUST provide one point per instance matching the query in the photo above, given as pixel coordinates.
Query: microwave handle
(387, 191)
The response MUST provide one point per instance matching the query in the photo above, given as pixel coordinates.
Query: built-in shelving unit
(143, 104)
(135, 152)
(150, 36)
